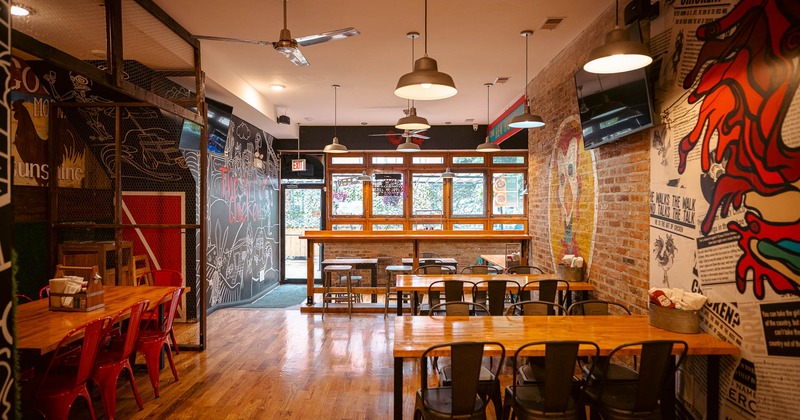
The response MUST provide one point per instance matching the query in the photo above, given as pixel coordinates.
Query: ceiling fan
(405, 133)
(287, 45)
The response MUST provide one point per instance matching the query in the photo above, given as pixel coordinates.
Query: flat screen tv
(615, 105)
(219, 120)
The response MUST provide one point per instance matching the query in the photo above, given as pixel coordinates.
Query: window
(427, 194)
(508, 226)
(387, 160)
(507, 195)
(468, 194)
(387, 195)
(500, 160)
(349, 160)
(467, 226)
(387, 226)
(428, 226)
(418, 160)
(347, 195)
(347, 227)
(475, 160)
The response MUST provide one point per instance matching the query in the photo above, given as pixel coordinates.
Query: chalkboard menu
(388, 185)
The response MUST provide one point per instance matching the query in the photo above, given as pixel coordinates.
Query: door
(302, 210)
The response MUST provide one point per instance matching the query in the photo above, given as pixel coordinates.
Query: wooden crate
(92, 299)
(103, 255)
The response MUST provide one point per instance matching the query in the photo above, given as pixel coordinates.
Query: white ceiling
(475, 41)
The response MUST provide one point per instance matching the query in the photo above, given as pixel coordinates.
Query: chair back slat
(90, 344)
(595, 307)
(524, 269)
(457, 308)
(135, 313)
(535, 308)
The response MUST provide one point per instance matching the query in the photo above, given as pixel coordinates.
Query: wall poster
(725, 191)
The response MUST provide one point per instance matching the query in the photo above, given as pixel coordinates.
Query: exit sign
(298, 165)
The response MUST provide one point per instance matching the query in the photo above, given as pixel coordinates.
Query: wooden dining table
(419, 283)
(39, 329)
(414, 334)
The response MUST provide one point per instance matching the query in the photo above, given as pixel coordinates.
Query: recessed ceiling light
(276, 87)
(17, 10)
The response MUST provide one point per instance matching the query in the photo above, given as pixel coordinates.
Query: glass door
(302, 210)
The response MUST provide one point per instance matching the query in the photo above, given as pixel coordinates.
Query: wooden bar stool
(391, 281)
(345, 273)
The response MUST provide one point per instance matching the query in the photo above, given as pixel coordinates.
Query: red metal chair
(23, 299)
(63, 382)
(44, 292)
(162, 278)
(113, 360)
(153, 337)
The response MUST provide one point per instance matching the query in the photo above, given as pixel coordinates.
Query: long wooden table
(414, 236)
(414, 334)
(419, 283)
(39, 329)
(496, 259)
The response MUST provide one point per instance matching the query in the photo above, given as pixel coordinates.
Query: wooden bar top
(414, 334)
(420, 282)
(406, 235)
(39, 329)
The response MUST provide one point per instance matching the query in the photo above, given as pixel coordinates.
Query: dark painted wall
(358, 138)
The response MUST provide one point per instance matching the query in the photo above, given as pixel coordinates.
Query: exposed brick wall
(619, 264)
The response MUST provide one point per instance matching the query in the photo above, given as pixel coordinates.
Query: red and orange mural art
(745, 79)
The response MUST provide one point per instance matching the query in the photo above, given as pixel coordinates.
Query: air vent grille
(551, 23)
(501, 80)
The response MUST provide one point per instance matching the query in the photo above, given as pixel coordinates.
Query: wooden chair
(141, 266)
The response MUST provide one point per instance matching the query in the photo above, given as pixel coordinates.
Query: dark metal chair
(595, 307)
(601, 307)
(456, 308)
(639, 398)
(460, 399)
(434, 269)
(554, 395)
(453, 292)
(534, 307)
(496, 295)
(548, 291)
(480, 269)
(524, 269)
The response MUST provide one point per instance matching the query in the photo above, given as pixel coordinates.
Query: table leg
(398, 388)
(399, 303)
(310, 272)
(668, 396)
(414, 303)
(712, 387)
(374, 281)
(415, 257)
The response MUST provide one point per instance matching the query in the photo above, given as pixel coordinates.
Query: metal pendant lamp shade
(425, 82)
(618, 53)
(412, 121)
(335, 147)
(487, 145)
(408, 146)
(526, 119)
(447, 174)
(364, 177)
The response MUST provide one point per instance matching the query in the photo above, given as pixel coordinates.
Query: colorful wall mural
(572, 194)
(724, 202)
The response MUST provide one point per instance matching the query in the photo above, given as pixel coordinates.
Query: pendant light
(487, 146)
(408, 146)
(335, 147)
(411, 121)
(526, 119)
(425, 82)
(447, 174)
(618, 53)
(364, 177)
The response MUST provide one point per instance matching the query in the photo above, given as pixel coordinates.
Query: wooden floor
(279, 364)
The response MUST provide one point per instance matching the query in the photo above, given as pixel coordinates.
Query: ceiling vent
(501, 80)
(551, 23)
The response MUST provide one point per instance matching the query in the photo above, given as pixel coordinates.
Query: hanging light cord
(410, 103)
(334, 109)
(488, 85)
(526, 69)
(284, 14)
(426, 28)
(616, 14)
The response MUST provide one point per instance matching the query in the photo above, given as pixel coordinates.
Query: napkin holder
(90, 299)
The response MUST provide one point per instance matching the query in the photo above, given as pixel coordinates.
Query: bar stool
(393, 271)
(345, 273)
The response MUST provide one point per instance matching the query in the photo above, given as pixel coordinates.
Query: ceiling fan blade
(295, 56)
(419, 136)
(222, 38)
(385, 134)
(326, 36)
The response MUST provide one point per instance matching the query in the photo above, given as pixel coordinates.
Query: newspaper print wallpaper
(725, 204)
